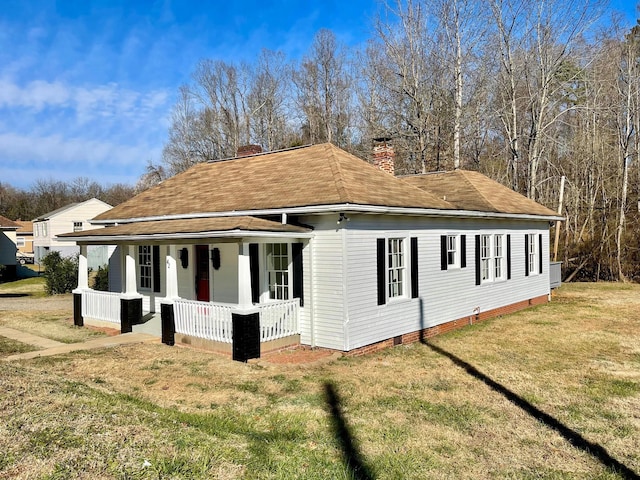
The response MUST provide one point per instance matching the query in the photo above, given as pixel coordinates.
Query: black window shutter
(463, 251)
(414, 267)
(298, 289)
(508, 257)
(540, 252)
(443, 252)
(478, 280)
(155, 259)
(381, 271)
(526, 255)
(254, 268)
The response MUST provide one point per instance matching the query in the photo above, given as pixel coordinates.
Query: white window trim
(265, 296)
(149, 265)
(456, 251)
(532, 238)
(78, 226)
(502, 257)
(406, 262)
(20, 242)
(490, 260)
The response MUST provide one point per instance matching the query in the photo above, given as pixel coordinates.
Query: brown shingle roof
(9, 224)
(469, 190)
(25, 227)
(316, 175)
(193, 225)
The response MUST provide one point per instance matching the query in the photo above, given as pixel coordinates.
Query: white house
(8, 248)
(313, 245)
(74, 217)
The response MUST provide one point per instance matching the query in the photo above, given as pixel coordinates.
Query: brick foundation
(447, 327)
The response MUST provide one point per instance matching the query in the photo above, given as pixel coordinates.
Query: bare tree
(269, 101)
(629, 91)
(324, 91)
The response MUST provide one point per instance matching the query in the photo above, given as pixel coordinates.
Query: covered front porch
(236, 292)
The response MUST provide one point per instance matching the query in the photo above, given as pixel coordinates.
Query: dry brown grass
(54, 324)
(412, 412)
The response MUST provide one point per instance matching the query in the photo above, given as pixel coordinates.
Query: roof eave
(155, 237)
(342, 207)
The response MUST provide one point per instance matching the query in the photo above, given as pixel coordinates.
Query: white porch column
(172, 272)
(244, 276)
(83, 269)
(130, 286)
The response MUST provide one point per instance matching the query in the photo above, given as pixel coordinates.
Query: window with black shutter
(156, 268)
(414, 267)
(508, 257)
(381, 270)
(254, 268)
(298, 280)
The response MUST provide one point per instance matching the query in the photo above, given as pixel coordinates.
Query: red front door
(202, 273)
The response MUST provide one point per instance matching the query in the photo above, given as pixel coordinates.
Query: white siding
(224, 281)
(327, 283)
(186, 276)
(306, 310)
(8, 247)
(115, 270)
(443, 295)
(63, 222)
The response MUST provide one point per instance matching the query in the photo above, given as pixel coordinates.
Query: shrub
(101, 280)
(60, 273)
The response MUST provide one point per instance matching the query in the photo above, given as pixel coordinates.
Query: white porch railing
(212, 321)
(279, 319)
(101, 305)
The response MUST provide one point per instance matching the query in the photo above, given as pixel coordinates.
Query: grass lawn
(39, 314)
(549, 393)
(32, 287)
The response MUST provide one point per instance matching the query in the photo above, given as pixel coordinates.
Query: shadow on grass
(573, 437)
(13, 295)
(350, 454)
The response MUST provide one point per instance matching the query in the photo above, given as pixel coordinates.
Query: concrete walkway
(51, 347)
(28, 338)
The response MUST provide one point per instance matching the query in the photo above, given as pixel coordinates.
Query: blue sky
(87, 87)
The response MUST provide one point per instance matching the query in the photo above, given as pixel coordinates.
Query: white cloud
(88, 103)
(73, 152)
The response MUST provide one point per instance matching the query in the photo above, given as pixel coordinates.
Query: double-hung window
(533, 253)
(277, 255)
(453, 253)
(452, 250)
(396, 269)
(498, 256)
(145, 263)
(485, 257)
(531, 240)
(20, 242)
(77, 226)
(492, 262)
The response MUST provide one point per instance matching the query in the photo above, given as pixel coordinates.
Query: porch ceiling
(188, 228)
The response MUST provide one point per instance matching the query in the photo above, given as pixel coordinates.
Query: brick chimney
(248, 150)
(384, 155)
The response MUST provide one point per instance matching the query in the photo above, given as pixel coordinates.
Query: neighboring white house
(74, 217)
(316, 246)
(8, 248)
